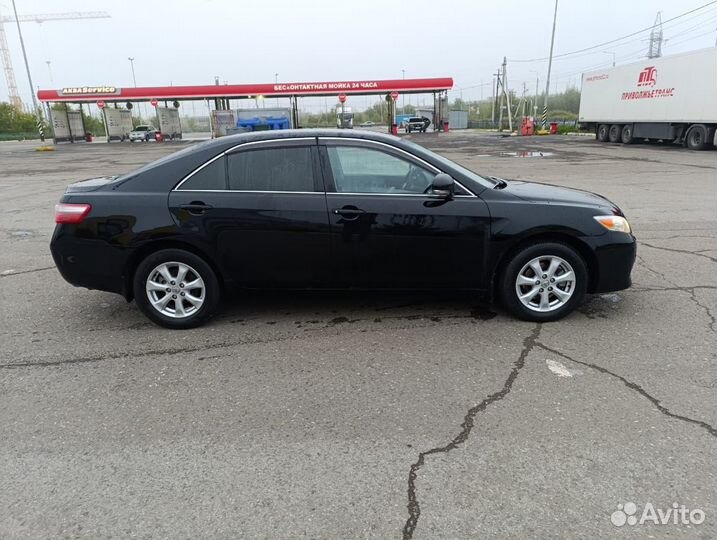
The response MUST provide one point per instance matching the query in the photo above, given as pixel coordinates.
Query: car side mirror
(443, 186)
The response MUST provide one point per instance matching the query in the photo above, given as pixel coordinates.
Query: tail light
(71, 213)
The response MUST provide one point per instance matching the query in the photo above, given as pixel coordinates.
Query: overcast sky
(191, 41)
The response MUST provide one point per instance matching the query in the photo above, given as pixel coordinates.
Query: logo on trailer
(647, 77)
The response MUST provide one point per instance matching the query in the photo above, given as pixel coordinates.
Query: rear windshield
(415, 119)
(141, 128)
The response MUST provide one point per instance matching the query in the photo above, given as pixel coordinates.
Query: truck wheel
(697, 138)
(626, 135)
(614, 133)
(602, 132)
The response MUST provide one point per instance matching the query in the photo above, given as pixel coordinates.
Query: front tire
(176, 289)
(602, 133)
(544, 282)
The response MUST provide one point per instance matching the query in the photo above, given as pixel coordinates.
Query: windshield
(141, 128)
(481, 180)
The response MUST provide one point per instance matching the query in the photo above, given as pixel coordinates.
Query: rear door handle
(348, 212)
(196, 207)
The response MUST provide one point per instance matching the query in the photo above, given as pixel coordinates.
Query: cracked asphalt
(317, 415)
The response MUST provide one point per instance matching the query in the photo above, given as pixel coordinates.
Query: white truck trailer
(673, 98)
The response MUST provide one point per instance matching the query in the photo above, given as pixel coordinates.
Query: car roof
(279, 134)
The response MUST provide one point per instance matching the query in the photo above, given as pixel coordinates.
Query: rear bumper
(93, 264)
(615, 254)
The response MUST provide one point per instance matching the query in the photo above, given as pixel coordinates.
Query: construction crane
(13, 93)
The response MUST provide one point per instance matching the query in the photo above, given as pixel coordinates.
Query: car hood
(550, 194)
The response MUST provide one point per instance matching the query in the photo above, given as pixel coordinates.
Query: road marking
(559, 369)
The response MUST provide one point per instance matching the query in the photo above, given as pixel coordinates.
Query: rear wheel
(176, 289)
(544, 282)
(697, 138)
(626, 134)
(614, 133)
(602, 132)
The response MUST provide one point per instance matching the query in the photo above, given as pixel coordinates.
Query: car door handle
(196, 207)
(348, 212)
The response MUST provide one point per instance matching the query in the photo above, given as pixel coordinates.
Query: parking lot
(325, 415)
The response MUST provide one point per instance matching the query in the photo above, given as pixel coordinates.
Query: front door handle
(348, 212)
(196, 207)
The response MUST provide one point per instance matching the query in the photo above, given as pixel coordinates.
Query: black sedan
(333, 209)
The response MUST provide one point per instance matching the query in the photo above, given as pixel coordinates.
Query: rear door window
(272, 169)
(211, 177)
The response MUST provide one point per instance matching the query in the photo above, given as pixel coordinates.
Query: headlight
(613, 223)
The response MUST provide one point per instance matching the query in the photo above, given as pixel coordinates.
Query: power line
(599, 45)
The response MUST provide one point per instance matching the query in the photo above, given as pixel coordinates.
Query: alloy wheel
(175, 290)
(545, 283)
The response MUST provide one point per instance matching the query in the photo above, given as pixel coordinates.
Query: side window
(210, 177)
(367, 170)
(272, 169)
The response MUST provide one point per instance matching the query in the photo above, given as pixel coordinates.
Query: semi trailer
(673, 98)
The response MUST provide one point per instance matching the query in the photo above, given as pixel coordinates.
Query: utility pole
(492, 103)
(534, 107)
(544, 122)
(507, 94)
(655, 48)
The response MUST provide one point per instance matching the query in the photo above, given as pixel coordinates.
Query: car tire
(626, 134)
(518, 273)
(614, 133)
(152, 271)
(602, 133)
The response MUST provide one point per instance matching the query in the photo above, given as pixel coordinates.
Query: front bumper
(615, 254)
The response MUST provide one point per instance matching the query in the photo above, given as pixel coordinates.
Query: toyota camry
(334, 209)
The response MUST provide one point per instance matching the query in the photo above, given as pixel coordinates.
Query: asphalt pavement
(322, 415)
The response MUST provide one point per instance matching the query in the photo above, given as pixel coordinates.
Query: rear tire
(174, 303)
(602, 133)
(567, 288)
(697, 138)
(614, 133)
(626, 134)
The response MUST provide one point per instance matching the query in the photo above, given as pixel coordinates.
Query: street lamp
(613, 56)
(49, 72)
(131, 63)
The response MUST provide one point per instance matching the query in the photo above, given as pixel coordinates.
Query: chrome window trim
(232, 150)
(251, 191)
(435, 169)
(354, 139)
(195, 171)
(425, 195)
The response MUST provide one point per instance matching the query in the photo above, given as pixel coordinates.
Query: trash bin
(553, 128)
(88, 137)
(446, 128)
(158, 136)
(394, 129)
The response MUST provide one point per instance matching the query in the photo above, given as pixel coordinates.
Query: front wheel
(176, 289)
(544, 282)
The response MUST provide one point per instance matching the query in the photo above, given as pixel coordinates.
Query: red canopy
(112, 93)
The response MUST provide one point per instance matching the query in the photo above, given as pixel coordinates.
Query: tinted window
(272, 169)
(209, 177)
(366, 170)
